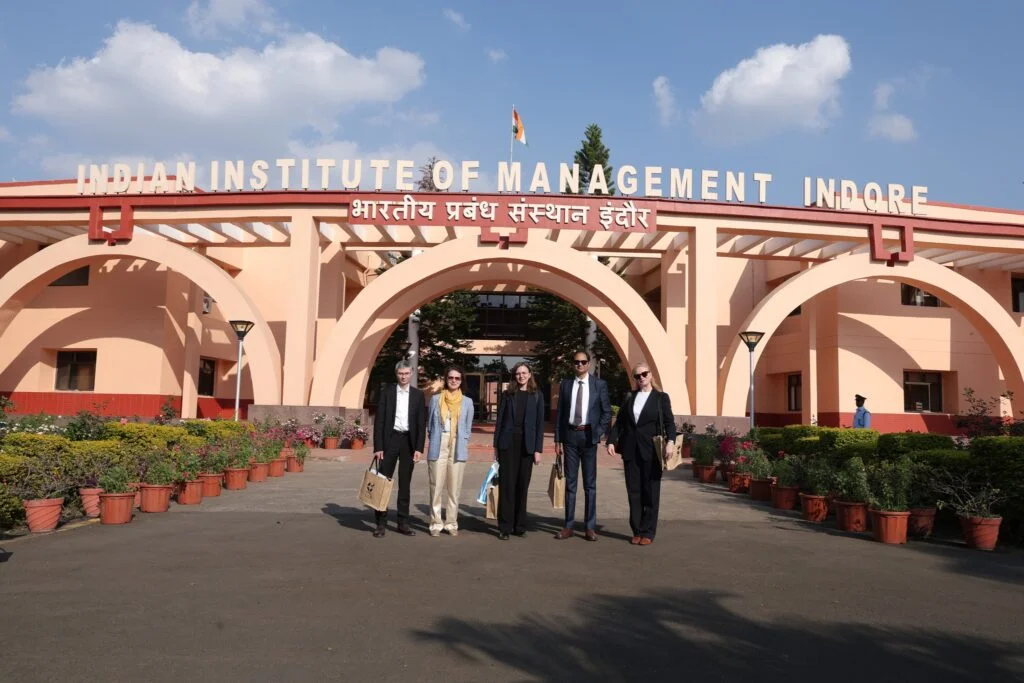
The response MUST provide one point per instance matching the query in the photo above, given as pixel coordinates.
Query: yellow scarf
(451, 404)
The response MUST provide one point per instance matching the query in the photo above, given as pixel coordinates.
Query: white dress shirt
(572, 399)
(638, 403)
(402, 409)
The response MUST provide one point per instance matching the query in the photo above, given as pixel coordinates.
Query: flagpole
(511, 137)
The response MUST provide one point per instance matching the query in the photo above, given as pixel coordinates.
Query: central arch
(23, 282)
(978, 307)
(404, 287)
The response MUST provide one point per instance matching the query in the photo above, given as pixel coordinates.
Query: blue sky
(881, 92)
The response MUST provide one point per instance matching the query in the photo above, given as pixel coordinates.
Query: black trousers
(643, 487)
(579, 451)
(514, 472)
(398, 453)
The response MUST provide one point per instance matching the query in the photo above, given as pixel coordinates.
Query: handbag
(668, 462)
(556, 485)
(375, 491)
(492, 473)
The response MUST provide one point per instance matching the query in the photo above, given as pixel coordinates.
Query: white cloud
(895, 127)
(5, 135)
(781, 87)
(496, 55)
(665, 101)
(210, 17)
(144, 94)
(456, 18)
(411, 117)
(883, 92)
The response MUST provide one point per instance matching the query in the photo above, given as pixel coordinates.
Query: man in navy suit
(584, 413)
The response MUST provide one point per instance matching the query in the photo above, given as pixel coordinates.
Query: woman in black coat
(632, 437)
(518, 442)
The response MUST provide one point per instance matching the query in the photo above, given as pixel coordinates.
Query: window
(1017, 283)
(76, 278)
(912, 296)
(76, 370)
(505, 316)
(207, 375)
(794, 393)
(922, 392)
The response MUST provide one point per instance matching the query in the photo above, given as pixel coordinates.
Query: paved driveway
(285, 582)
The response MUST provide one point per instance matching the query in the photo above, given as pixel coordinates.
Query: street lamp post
(751, 339)
(241, 328)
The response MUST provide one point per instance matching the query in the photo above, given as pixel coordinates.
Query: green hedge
(957, 461)
(891, 446)
(1000, 461)
(216, 429)
(141, 438)
(791, 433)
(770, 443)
(36, 445)
(805, 445)
(840, 438)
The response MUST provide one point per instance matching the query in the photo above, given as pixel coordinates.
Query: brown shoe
(591, 535)
(563, 534)
(645, 541)
(635, 540)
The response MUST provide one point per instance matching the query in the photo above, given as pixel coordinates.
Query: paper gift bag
(670, 462)
(375, 490)
(492, 503)
(556, 485)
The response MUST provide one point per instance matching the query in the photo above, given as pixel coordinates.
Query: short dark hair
(584, 352)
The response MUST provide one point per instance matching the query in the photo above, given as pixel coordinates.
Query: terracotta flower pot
(739, 482)
(211, 484)
(889, 527)
(43, 514)
(356, 444)
(258, 471)
(137, 487)
(981, 533)
(286, 452)
(309, 443)
(275, 468)
(294, 465)
(156, 498)
(814, 508)
(760, 489)
(331, 442)
(706, 473)
(852, 516)
(696, 472)
(784, 497)
(90, 501)
(235, 478)
(921, 522)
(116, 508)
(191, 492)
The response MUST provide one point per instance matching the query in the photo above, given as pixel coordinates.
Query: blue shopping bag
(491, 474)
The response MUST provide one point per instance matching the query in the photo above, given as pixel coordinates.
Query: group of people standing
(404, 422)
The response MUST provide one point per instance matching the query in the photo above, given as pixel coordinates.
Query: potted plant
(158, 484)
(973, 503)
(356, 435)
(332, 432)
(40, 484)
(263, 452)
(704, 459)
(819, 476)
(760, 469)
(890, 503)
(236, 469)
(89, 492)
(212, 461)
(117, 497)
(296, 461)
(727, 446)
(788, 479)
(687, 429)
(853, 494)
(190, 486)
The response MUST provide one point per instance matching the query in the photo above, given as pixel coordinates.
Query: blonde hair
(654, 381)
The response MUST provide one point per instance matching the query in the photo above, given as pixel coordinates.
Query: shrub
(892, 446)
(216, 430)
(820, 476)
(999, 461)
(301, 450)
(36, 445)
(806, 445)
(160, 470)
(143, 438)
(770, 443)
(791, 433)
(837, 438)
(85, 426)
(787, 472)
(704, 451)
(11, 509)
(890, 482)
(116, 480)
(852, 482)
(953, 460)
(87, 460)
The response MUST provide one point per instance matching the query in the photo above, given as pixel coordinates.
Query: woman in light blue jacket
(449, 424)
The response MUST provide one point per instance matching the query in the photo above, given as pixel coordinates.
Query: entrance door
(492, 394)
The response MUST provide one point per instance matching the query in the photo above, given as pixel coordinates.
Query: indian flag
(517, 127)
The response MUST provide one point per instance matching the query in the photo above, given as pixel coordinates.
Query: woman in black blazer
(632, 437)
(518, 442)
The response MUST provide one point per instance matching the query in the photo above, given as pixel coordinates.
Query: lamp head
(751, 339)
(241, 327)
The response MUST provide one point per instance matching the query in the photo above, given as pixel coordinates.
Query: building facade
(122, 302)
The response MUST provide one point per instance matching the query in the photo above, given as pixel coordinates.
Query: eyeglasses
(454, 379)
(641, 374)
(580, 362)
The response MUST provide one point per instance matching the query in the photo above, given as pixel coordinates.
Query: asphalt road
(284, 582)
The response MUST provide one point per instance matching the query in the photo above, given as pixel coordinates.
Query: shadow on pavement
(688, 635)
(5, 555)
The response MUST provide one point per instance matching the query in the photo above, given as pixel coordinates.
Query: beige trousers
(445, 483)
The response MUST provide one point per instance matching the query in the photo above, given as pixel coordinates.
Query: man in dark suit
(584, 412)
(399, 434)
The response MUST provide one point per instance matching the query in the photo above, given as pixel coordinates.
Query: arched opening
(343, 367)
(27, 279)
(977, 306)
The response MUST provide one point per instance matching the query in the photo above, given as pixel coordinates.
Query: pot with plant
(890, 482)
(236, 469)
(263, 452)
(356, 435)
(922, 501)
(278, 459)
(332, 432)
(40, 483)
(760, 469)
(704, 457)
(820, 479)
(296, 461)
(212, 460)
(158, 484)
(788, 480)
(88, 490)
(117, 497)
(853, 494)
(190, 486)
(973, 503)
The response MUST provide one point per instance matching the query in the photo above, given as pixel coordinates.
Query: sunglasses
(454, 379)
(580, 362)
(641, 374)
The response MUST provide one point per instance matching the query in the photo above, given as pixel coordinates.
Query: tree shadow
(5, 555)
(359, 519)
(674, 635)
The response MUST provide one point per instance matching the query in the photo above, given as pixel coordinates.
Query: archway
(626, 345)
(978, 307)
(403, 288)
(23, 282)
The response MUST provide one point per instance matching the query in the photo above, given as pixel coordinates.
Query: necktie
(578, 414)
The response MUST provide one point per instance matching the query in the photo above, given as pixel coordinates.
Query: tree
(592, 152)
(562, 330)
(614, 372)
(426, 181)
